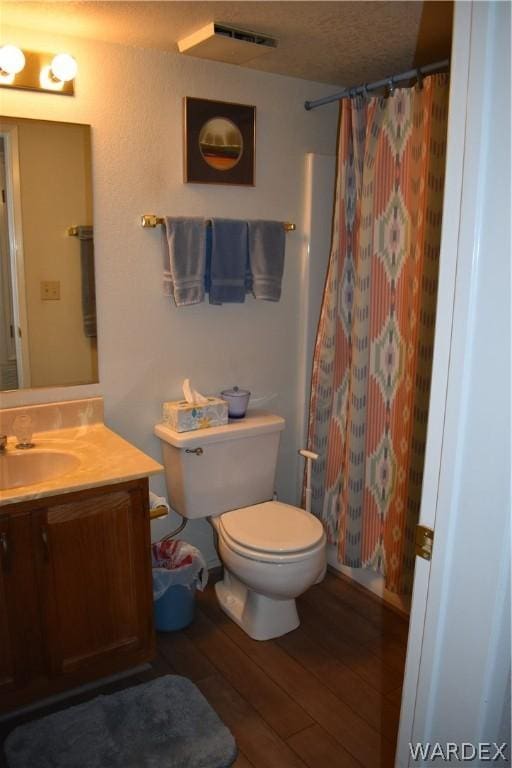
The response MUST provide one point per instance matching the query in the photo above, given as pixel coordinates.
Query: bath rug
(166, 723)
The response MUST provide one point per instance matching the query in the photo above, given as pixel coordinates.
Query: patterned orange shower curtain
(373, 354)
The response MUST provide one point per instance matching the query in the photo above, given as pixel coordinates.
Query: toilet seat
(271, 532)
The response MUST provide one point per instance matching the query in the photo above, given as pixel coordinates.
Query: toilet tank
(235, 466)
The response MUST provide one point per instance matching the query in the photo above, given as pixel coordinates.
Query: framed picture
(219, 142)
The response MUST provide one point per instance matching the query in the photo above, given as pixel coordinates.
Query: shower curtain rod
(428, 69)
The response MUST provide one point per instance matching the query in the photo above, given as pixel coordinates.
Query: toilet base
(261, 617)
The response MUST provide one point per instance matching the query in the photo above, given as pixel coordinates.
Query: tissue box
(185, 417)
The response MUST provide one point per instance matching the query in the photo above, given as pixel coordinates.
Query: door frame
(17, 259)
(7, 318)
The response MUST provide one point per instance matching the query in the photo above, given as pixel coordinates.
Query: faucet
(3, 443)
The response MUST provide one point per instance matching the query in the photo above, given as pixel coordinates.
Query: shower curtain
(373, 353)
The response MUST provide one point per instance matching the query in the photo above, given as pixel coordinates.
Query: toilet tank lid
(256, 422)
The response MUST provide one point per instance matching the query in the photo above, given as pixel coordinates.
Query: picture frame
(219, 142)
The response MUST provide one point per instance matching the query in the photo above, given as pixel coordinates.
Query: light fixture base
(36, 76)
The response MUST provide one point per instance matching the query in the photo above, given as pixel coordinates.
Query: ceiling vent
(221, 42)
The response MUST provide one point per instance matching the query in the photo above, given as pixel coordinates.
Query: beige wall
(55, 193)
(133, 100)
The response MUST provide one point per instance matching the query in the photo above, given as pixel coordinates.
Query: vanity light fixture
(36, 71)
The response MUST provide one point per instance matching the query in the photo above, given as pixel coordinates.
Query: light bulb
(63, 67)
(12, 59)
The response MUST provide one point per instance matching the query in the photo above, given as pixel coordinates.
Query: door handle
(5, 551)
(46, 546)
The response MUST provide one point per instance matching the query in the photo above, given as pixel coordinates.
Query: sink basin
(34, 465)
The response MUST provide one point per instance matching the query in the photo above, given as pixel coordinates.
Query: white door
(457, 680)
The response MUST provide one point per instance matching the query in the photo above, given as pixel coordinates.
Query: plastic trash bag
(177, 562)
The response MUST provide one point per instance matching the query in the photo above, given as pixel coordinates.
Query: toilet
(271, 552)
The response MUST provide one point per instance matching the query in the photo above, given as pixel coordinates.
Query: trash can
(178, 569)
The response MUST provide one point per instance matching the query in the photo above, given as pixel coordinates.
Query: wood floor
(325, 696)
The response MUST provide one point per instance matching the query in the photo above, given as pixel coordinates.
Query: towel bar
(150, 220)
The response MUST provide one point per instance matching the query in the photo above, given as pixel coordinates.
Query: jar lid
(235, 392)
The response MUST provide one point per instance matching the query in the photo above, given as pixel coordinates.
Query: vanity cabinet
(75, 590)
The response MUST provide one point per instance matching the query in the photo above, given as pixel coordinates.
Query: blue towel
(229, 259)
(208, 268)
(85, 236)
(185, 260)
(266, 258)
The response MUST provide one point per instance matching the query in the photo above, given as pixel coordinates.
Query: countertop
(103, 458)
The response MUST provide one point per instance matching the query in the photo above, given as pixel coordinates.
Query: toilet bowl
(272, 552)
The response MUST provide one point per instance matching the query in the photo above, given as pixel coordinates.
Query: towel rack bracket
(150, 220)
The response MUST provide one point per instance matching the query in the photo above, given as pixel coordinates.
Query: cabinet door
(7, 665)
(21, 656)
(96, 579)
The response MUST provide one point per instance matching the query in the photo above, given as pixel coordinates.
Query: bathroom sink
(18, 468)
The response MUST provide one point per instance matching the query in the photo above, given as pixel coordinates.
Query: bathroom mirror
(47, 289)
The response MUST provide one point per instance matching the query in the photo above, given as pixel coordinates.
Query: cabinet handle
(46, 547)
(5, 551)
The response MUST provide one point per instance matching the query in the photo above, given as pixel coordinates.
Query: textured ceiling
(333, 42)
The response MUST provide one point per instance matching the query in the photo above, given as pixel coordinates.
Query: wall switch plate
(50, 290)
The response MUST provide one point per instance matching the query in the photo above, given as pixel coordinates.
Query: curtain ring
(391, 86)
(365, 91)
(419, 79)
(352, 93)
